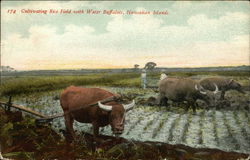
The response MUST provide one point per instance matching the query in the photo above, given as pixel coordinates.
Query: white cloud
(235, 52)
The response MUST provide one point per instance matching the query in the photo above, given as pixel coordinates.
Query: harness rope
(50, 118)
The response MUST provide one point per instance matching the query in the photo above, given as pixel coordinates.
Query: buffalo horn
(129, 106)
(216, 89)
(199, 89)
(104, 107)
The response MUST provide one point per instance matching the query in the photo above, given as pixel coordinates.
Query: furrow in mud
(146, 134)
(193, 133)
(179, 129)
(163, 134)
(132, 120)
(242, 128)
(243, 118)
(172, 127)
(245, 127)
(227, 122)
(224, 137)
(236, 131)
(201, 132)
(185, 128)
(134, 131)
(209, 130)
(159, 127)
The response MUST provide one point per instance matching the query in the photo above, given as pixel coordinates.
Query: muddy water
(227, 129)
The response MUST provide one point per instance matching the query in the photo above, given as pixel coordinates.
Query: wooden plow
(46, 119)
(8, 105)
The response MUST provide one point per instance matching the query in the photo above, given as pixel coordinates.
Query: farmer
(144, 79)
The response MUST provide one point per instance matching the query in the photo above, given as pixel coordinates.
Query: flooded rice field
(226, 127)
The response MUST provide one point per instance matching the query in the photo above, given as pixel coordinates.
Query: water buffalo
(100, 115)
(184, 89)
(224, 84)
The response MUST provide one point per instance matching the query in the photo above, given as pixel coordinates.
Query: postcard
(125, 80)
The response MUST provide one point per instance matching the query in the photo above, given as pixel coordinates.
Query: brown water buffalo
(224, 84)
(100, 115)
(184, 89)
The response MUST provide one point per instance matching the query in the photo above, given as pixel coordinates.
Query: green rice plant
(173, 125)
(247, 117)
(186, 127)
(133, 126)
(243, 130)
(215, 128)
(150, 123)
(230, 132)
(160, 125)
(201, 134)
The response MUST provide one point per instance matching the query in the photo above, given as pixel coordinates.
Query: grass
(21, 85)
(30, 84)
(242, 74)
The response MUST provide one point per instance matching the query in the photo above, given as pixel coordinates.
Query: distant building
(7, 69)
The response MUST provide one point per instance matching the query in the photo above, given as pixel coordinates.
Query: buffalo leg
(187, 107)
(222, 96)
(161, 100)
(95, 130)
(158, 100)
(194, 106)
(69, 127)
(164, 101)
(96, 133)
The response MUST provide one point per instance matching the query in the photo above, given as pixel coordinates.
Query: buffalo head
(117, 115)
(235, 85)
(208, 96)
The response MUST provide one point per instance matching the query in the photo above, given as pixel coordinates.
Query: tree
(150, 65)
(136, 66)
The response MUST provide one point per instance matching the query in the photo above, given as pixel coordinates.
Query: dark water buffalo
(184, 89)
(111, 113)
(224, 84)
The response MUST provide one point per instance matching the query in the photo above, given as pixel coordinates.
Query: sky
(191, 34)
